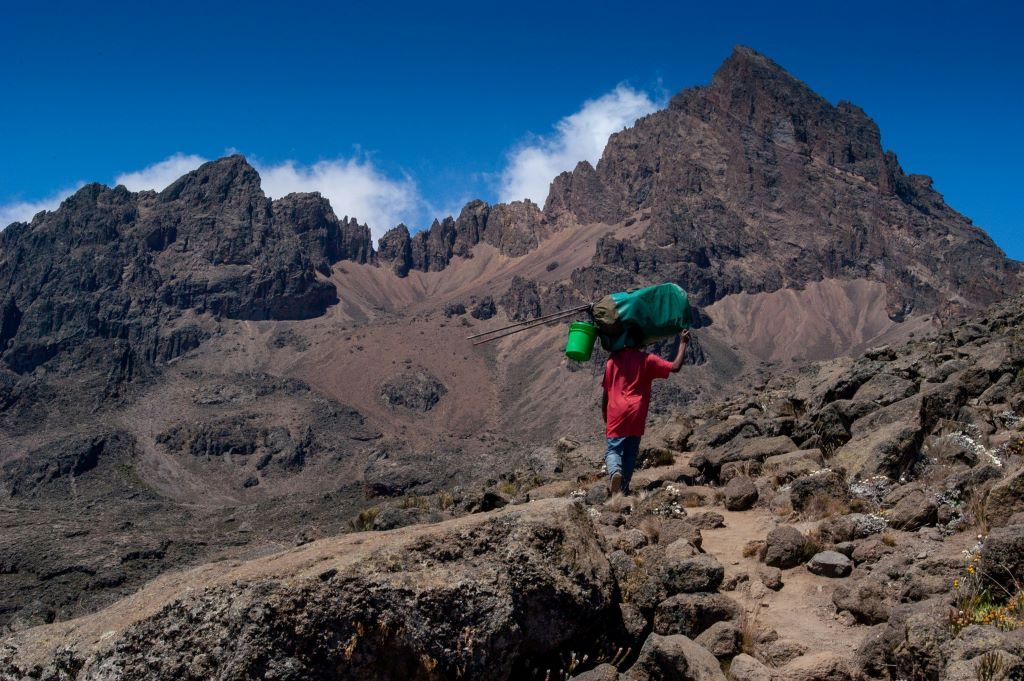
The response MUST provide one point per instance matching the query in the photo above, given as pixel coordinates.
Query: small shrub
(889, 539)
(990, 667)
(515, 484)
(508, 487)
(415, 501)
(445, 499)
(364, 521)
(859, 505)
(1014, 447)
(974, 602)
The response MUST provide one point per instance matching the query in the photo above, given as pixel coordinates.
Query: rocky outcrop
(481, 598)
(514, 229)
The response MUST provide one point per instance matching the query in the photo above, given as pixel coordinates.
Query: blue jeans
(621, 458)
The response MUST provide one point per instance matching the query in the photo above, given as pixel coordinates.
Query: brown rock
(784, 547)
(1005, 499)
(740, 494)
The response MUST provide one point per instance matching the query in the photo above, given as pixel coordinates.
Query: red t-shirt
(627, 380)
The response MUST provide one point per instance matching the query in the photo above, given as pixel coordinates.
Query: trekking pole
(552, 316)
(533, 323)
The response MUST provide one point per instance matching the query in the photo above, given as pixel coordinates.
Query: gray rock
(915, 509)
(394, 601)
(830, 564)
(633, 620)
(700, 573)
(1002, 555)
(746, 668)
(691, 614)
(884, 389)
(740, 493)
(825, 484)
(818, 667)
(721, 639)
(415, 389)
(771, 577)
(602, 672)
(865, 600)
(673, 657)
(1005, 499)
(783, 651)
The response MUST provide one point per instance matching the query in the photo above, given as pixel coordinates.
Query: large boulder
(818, 667)
(692, 575)
(1004, 499)
(1002, 555)
(473, 597)
(742, 449)
(673, 658)
(865, 600)
(884, 389)
(746, 668)
(691, 614)
(722, 639)
(787, 467)
(784, 547)
(740, 493)
(915, 509)
(821, 487)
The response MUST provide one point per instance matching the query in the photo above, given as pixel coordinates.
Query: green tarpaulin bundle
(640, 316)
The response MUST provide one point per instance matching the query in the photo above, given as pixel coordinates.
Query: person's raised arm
(684, 341)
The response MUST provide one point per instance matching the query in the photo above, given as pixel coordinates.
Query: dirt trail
(802, 610)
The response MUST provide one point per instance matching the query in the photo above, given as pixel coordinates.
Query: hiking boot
(615, 486)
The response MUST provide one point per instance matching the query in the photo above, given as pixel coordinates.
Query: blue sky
(403, 111)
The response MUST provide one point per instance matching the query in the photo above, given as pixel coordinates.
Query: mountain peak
(221, 177)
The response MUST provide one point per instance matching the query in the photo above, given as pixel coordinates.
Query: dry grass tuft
(785, 509)
(445, 499)
(753, 548)
(889, 538)
(822, 505)
(749, 630)
(692, 500)
(651, 527)
(813, 544)
(976, 512)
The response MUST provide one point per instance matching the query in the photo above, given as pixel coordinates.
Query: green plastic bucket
(580, 345)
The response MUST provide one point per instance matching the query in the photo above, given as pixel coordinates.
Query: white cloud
(579, 137)
(355, 187)
(159, 175)
(23, 211)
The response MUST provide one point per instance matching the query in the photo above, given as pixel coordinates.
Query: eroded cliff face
(119, 280)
